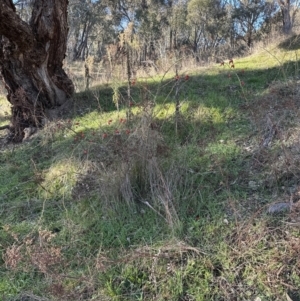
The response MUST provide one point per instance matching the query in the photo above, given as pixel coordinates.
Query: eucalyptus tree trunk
(31, 62)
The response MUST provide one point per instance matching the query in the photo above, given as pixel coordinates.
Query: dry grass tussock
(130, 171)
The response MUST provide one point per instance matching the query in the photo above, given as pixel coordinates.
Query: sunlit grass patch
(4, 105)
(267, 58)
(164, 111)
(61, 178)
(4, 111)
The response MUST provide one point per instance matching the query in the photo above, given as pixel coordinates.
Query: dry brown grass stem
(171, 249)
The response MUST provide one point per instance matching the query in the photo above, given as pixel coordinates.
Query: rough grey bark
(31, 62)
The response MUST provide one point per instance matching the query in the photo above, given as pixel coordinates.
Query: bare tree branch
(13, 27)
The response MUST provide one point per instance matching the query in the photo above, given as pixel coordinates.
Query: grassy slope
(175, 209)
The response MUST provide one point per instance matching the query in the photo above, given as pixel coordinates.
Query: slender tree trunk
(285, 7)
(171, 39)
(81, 49)
(31, 62)
(76, 35)
(195, 44)
(175, 39)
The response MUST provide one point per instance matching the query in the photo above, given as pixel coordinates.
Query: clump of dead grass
(37, 251)
(133, 174)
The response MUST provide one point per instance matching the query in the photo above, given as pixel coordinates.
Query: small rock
(278, 207)
(253, 185)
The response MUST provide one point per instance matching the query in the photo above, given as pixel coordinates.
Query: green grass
(159, 207)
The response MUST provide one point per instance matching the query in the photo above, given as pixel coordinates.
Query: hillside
(158, 201)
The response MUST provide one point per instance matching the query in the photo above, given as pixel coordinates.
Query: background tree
(285, 8)
(209, 22)
(89, 24)
(31, 56)
(149, 29)
(164, 28)
(248, 16)
(24, 9)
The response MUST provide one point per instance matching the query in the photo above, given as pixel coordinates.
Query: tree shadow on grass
(291, 43)
(235, 85)
(213, 95)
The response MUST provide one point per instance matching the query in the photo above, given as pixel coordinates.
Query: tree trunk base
(31, 64)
